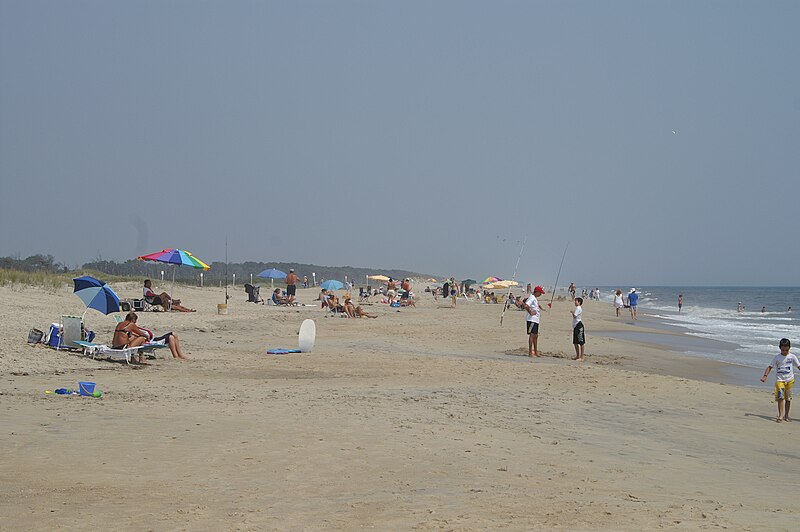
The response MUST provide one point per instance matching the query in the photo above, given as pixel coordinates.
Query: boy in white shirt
(531, 305)
(578, 334)
(784, 365)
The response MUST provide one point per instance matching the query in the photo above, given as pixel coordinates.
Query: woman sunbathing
(128, 334)
(356, 311)
(162, 299)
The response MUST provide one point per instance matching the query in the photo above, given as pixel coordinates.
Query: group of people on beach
(129, 334)
(533, 317)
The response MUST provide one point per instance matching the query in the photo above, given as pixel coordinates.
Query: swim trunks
(532, 327)
(783, 390)
(578, 334)
(291, 289)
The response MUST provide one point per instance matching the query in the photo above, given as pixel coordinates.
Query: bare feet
(787, 419)
(533, 355)
(778, 420)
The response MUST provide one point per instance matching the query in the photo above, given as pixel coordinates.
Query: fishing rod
(550, 305)
(226, 269)
(513, 278)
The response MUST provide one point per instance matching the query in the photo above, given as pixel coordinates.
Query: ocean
(711, 313)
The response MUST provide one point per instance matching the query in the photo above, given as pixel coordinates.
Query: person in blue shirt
(633, 301)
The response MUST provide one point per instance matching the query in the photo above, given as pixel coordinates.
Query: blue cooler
(55, 335)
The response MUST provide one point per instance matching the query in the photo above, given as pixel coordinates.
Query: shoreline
(657, 333)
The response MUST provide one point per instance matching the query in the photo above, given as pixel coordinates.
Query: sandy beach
(425, 418)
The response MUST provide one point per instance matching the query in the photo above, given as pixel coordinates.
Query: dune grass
(52, 280)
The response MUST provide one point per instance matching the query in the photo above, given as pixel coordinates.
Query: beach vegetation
(43, 270)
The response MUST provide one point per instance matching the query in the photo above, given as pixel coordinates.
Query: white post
(314, 278)
(162, 276)
(201, 279)
(251, 278)
(234, 280)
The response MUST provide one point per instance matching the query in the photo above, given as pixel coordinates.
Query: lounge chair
(93, 350)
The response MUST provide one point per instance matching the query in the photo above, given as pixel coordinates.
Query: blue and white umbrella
(272, 273)
(332, 284)
(96, 294)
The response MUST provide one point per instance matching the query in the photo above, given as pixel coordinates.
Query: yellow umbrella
(506, 284)
(378, 277)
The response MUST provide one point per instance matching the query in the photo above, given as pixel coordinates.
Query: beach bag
(35, 336)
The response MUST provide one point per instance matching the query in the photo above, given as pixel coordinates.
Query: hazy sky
(660, 139)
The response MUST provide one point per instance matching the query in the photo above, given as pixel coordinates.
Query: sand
(427, 418)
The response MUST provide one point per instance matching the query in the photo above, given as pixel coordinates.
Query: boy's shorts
(578, 334)
(783, 390)
(532, 327)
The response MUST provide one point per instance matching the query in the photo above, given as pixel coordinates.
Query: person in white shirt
(619, 302)
(578, 334)
(531, 305)
(784, 365)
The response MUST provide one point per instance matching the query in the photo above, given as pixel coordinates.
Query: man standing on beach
(531, 305)
(291, 286)
(680, 302)
(633, 302)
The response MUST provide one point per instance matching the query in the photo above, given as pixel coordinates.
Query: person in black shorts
(291, 287)
(578, 333)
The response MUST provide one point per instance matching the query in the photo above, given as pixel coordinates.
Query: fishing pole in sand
(553, 296)
(513, 278)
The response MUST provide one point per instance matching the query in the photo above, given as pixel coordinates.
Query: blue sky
(429, 136)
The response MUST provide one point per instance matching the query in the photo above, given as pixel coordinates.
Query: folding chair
(71, 332)
(253, 293)
(363, 294)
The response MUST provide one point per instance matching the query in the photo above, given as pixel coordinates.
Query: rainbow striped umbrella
(491, 280)
(176, 257)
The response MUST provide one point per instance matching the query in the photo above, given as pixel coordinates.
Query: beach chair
(126, 353)
(71, 331)
(253, 293)
(93, 350)
(363, 294)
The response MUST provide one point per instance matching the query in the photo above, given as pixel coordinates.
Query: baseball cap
(538, 288)
(291, 270)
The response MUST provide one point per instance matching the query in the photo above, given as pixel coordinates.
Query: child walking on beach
(578, 333)
(784, 365)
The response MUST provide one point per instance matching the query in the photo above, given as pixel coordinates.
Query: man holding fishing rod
(531, 305)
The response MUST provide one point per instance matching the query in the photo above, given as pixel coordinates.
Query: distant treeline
(34, 263)
(141, 269)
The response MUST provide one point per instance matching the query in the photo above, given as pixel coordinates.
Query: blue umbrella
(96, 294)
(272, 273)
(332, 284)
